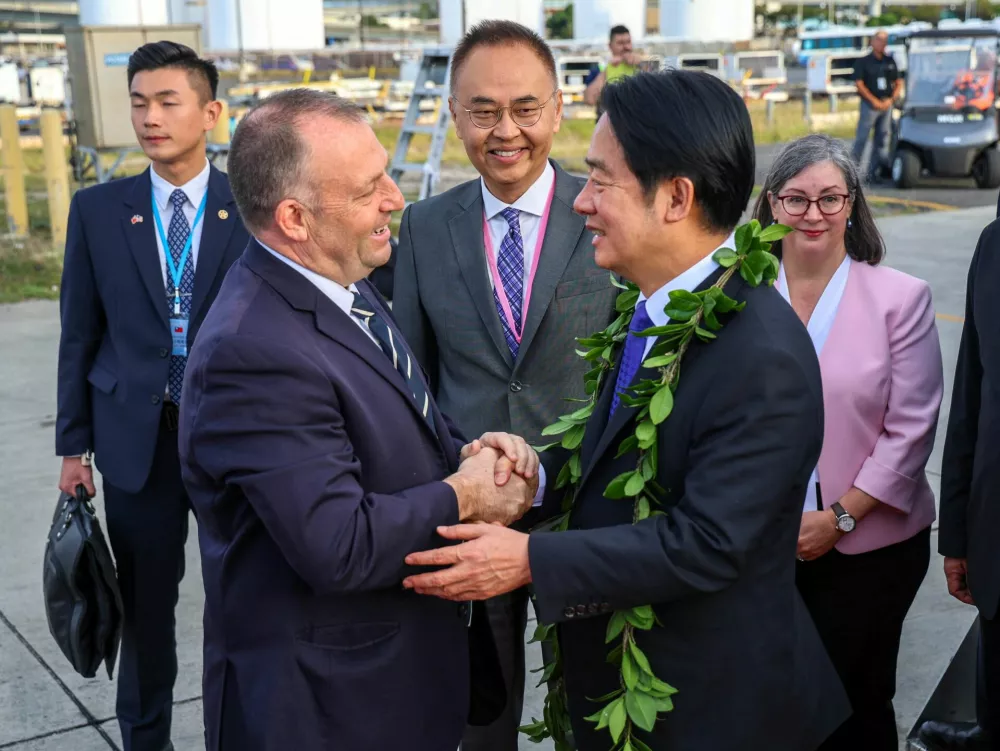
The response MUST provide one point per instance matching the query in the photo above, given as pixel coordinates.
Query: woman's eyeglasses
(830, 204)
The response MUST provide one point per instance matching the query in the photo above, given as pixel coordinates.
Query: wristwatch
(845, 522)
(87, 458)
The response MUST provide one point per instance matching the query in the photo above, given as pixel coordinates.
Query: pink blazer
(882, 388)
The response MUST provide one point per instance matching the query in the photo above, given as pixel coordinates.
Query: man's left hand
(818, 534)
(514, 448)
(493, 560)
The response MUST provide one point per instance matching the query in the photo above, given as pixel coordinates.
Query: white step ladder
(433, 82)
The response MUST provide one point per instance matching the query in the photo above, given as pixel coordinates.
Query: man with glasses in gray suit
(495, 279)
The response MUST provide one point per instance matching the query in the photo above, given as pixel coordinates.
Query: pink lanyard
(495, 272)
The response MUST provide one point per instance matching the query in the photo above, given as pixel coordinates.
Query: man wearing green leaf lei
(666, 578)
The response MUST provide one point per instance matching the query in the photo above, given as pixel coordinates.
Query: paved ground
(45, 706)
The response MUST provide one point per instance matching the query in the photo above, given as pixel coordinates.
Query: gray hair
(267, 155)
(863, 240)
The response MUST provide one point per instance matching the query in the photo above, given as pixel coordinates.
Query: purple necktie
(510, 264)
(632, 357)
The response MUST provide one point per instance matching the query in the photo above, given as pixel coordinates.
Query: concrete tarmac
(45, 706)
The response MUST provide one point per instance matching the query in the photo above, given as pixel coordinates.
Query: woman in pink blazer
(864, 545)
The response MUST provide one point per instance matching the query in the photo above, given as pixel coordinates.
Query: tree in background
(428, 10)
(560, 24)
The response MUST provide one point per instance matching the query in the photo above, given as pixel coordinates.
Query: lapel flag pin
(136, 219)
(223, 214)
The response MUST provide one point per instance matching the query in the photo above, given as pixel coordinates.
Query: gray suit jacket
(444, 304)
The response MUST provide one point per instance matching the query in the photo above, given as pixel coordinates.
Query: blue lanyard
(177, 271)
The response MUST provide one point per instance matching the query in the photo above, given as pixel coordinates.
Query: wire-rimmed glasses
(829, 205)
(524, 114)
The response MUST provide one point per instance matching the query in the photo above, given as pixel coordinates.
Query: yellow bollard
(56, 174)
(220, 133)
(13, 172)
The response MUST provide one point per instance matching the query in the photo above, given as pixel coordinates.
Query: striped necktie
(396, 350)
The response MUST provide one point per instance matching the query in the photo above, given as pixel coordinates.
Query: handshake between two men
(498, 482)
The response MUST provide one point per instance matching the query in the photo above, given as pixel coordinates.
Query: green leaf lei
(641, 696)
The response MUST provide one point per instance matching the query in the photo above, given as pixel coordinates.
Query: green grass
(30, 271)
(573, 139)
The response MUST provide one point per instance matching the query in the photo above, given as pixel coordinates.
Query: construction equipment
(433, 82)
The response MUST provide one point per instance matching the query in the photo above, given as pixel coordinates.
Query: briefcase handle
(83, 499)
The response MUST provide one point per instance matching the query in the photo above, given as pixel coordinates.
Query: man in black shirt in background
(877, 79)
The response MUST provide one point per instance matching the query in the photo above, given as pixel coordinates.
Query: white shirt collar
(194, 189)
(533, 201)
(342, 297)
(689, 281)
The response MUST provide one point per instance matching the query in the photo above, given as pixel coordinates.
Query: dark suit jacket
(313, 475)
(970, 465)
(445, 307)
(734, 457)
(114, 349)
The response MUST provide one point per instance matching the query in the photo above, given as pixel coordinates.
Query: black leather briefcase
(82, 601)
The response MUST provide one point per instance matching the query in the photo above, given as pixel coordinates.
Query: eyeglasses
(524, 114)
(830, 204)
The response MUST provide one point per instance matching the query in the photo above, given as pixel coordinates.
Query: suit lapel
(330, 320)
(140, 234)
(561, 237)
(215, 234)
(466, 230)
(625, 414)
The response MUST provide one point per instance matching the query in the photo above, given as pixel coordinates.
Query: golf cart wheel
(986, 169)
(905, 168)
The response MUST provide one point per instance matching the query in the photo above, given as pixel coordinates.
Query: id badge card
(882, 84)
(179, 336)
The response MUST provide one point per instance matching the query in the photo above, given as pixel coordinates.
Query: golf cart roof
(958, 32)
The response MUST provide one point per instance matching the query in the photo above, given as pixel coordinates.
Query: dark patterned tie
(397, 351)
(632, 356)
(177, 236)
(510, 265)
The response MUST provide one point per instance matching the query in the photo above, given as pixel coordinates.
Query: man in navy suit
(145, 257)
(316, 460)
(733, 460)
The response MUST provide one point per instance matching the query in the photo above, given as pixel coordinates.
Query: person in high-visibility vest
(623, 63)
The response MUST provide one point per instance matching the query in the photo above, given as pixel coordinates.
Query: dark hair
(267, 153)
(501, 34)
(157, 55)
(680, 123)
(616, 30)
(863, 240)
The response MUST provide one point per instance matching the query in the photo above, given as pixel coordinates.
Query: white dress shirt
(820, 323)
(532, 207)
(689, 281)
(195, 190)
(343, 298)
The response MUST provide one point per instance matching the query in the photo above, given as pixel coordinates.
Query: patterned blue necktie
(632, 356)
(177, 236)
(396, 350)
(510, 264)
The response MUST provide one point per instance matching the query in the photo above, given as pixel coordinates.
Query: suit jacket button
(593, 608)
(155, 399)
(515, 386)
(163, 352)
(581, 609)
(605, 607)
(569, 612)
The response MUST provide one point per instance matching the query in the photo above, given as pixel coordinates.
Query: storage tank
(457, 16)
(265, 25)
(707, 20)
(593, 19)
(123, 12)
